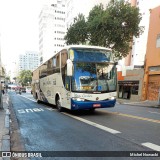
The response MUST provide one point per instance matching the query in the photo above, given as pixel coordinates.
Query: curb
(140, 105)
(6, 137)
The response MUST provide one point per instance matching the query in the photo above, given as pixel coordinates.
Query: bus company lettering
(48, 93)
(82, 96)
(54, 81)
(46, 83)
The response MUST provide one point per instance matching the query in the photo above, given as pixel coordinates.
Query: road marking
(51, 109)
(131, 116)
(154, 112)
(28, 110)
(29, 99)
(94, 124)
(151, 146)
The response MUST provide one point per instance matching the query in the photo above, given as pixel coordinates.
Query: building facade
(139, 46)
(52, 29)
(131, 70)
(151, 85)
(130, 85)
(28, 61)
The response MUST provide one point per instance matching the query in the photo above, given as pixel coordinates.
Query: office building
(28, 61)
(52, 29)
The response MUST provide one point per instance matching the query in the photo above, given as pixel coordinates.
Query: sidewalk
(146, 103)
(4, 126)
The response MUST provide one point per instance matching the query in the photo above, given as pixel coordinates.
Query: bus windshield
(94, 77)
(90, 55)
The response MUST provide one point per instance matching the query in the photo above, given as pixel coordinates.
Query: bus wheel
(58, 105)
(37, 98)
(92, 110)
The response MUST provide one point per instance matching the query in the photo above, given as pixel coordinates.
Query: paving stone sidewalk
(147, 103)
(4, 126)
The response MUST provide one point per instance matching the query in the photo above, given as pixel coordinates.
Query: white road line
(151, 146)
(51, 109)
(154, 112)
(94, 124)
(29, 98)
(7, 102)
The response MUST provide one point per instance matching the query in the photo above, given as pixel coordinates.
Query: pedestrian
(2, 89)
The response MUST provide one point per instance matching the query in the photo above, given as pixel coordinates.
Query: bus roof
(85, 46)
(75, 46)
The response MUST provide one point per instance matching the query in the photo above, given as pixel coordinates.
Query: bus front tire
(38, 101)
(58, 105)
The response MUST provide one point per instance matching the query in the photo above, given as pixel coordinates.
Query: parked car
(29, 89)
(23, 89)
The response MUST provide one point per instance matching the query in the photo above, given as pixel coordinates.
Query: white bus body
(78, 77)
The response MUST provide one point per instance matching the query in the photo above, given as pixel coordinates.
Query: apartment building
(151, 84)
(52, 29)
(28, 61)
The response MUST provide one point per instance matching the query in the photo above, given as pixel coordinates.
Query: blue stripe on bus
(78, 105)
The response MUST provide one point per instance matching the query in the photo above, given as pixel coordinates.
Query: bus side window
(58, 60)
(43, 70)
(63, 58)
(66, 79)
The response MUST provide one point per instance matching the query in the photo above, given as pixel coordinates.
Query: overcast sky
(18, 27)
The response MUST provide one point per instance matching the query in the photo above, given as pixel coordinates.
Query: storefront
(130, 85)
(153, 87)
(128, 89)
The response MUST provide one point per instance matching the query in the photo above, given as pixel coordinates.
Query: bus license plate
(96, 105)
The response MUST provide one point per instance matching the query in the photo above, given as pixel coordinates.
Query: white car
(28, 89)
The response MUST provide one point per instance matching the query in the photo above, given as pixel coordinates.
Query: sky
(18, 28)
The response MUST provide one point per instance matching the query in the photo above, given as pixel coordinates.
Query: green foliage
(25, 76)
(7, 78)
(96, 27)
(113, 27)
(77, 33)
(121, 25)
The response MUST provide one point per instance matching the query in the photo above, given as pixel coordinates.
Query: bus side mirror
(69, 67)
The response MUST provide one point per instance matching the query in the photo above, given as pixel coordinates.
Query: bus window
(66, 79)
(58, 60)
(64, 58)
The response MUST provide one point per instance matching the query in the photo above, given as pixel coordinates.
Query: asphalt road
(122, 128)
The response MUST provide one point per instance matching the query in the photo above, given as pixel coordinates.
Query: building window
(127, 89)
(158, 41)
(135, 90)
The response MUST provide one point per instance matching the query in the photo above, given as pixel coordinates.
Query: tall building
(52, 29)
(74, 7)
(151, 84)
(137, 56)
(28, 61)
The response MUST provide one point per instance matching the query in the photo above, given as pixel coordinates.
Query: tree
(96, 27)
(77, 33)
(113, 27)
(122, 23)
(7, 78)
(25, 76)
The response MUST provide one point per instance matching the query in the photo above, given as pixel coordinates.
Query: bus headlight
(112, 98)
(78, 99)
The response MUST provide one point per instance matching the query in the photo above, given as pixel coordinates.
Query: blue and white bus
(78, 77)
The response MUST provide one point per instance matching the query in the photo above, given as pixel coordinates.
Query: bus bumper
(80, 105)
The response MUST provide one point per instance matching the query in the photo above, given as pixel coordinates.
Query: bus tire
(92, 110)
(38, 101)
(58, 104)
